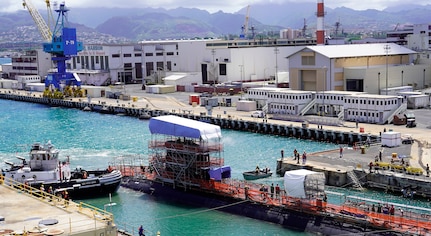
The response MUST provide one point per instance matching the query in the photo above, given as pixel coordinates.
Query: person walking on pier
(341, 152)
(304, 157)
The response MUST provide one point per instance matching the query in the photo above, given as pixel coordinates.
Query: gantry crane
(61, 43)
(244, 28)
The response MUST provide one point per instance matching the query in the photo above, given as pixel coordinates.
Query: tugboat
(44, 170)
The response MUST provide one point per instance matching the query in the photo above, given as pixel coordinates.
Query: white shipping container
(418, 101)
(391, 139)
(244, 105)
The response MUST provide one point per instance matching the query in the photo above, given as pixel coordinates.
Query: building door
(308, 80)
(204, 69)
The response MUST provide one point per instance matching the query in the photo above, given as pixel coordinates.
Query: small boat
(145, 116)
(44, 169)
(256, 174)
(87, 108)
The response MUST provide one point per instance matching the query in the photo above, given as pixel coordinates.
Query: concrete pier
(288, 130)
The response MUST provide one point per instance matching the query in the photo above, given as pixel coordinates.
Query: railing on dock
(56, 200)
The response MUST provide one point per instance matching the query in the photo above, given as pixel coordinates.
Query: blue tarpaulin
(219, 173)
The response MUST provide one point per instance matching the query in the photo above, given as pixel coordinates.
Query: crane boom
(38, 19)
(245, 26)
(246, 20)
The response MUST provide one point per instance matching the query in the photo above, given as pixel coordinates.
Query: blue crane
(61, 43)
(62, 47)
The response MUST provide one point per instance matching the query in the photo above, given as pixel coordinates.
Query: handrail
(57, 200)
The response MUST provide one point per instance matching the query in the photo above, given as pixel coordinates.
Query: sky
(228, 6)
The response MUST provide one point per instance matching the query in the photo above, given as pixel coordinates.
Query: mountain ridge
(136, 24)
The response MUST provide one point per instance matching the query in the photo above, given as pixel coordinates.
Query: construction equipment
(244, 28)
(62, 45)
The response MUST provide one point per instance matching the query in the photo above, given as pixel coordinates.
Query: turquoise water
(92, 140)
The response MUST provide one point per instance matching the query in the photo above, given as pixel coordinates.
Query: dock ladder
(356, 184)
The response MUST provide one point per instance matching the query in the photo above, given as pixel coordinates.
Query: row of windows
(290, 97)
(90, 62)
(24, 67)
(330, 97)
(117, 55)
(150, 54)
(282, 107)
(26, 59)
(372, 102)
(363, 113)
(260, 93)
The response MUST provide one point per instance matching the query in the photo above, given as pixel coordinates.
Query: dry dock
(28, 212)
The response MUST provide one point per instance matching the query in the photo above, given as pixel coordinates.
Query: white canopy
(182, 127)
(304, 183)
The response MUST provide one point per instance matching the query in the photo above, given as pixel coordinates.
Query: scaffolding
(184, 161)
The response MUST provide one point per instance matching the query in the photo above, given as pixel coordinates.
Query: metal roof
(359, 50)
(183, 127)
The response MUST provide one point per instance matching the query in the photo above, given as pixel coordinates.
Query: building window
(149, 54)
(222, 69)
(159, 54)
(170, 53)
(127, 55)
(308, 60)
(138, 54)
(115, 55)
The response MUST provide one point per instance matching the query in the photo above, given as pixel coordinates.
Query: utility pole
(276, 51)
(387, 48)
(213, 52)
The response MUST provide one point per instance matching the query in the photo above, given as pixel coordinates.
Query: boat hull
(252, 175)
(80, 188)
(293, 219)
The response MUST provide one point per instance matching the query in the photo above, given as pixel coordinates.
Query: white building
(356, 67)
(32, 62)
(340, 105)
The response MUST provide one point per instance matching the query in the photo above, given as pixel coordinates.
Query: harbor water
(93, 140)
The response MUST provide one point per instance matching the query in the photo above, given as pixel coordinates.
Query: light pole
(424, 79)
(387, 48)
(402, 78)
(264, 76)
(378, 83)
(276, 51)
(324, 88)
(213, 52)
(241, 71)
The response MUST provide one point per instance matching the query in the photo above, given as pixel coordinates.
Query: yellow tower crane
(41, 24)
(245, 26)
